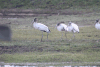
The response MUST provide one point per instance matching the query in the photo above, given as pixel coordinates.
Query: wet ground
(52, 64)
(20, 13)
(18, 49)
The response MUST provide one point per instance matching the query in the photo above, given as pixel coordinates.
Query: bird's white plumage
(72, 27)
(41, 27)
(62, 27)
(97, 25)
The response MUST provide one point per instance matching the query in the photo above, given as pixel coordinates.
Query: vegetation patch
(55, 4)
(30, 49)
(27, 47)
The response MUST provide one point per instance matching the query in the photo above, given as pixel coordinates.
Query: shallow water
(43, 66)
(51, 64)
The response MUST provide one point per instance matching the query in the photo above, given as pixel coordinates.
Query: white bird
(41, 27)
(72, 27)
(97, 25)
(62, 27)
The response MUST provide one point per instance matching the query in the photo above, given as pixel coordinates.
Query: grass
(26, 41)
(51, 57)
(29, 34)
(84, 49)
(55, 4)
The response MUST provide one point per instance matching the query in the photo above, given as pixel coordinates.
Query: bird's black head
(35, 19)
(97, 20)
(60, 23)
(69, 23)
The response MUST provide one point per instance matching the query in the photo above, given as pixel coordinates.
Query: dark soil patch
(18, 49)
(20, 13)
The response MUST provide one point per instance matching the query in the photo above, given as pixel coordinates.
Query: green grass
(33, 34)
(51, 57)
(26, 46)
(48, 4)
(84, 48)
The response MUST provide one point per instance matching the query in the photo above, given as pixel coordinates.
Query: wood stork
(97, 25)
(62, 27)
(72, 27)
(41, 27)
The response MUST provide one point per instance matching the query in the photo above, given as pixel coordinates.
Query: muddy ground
(20, 13)
(18, 49)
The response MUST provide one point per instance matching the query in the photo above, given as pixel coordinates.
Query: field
(27, 47)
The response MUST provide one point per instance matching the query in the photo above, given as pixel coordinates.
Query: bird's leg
(47, 36)
(72, 36)
(65, 35)
(62, 36)
(42, 37)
